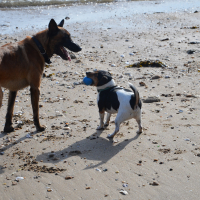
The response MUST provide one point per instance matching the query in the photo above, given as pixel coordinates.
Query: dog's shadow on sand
(1, 169)
(5, 135)
(91, 148)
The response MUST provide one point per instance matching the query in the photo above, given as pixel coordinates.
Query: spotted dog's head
(58, 39)
(99, 77)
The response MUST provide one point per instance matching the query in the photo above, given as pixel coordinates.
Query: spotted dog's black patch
(108, 99)
(133, 101)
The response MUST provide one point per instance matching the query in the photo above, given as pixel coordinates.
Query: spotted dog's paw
(100, 128)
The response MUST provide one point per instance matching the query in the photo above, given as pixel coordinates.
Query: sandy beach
(71, 159)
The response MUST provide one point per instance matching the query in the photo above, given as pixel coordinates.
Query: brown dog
(22, 65)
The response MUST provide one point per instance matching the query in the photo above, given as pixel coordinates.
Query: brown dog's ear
(53, 28)
(61, 23)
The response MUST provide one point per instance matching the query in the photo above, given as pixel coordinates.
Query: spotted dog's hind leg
(117, 125)
(139, 125)
(138, 119)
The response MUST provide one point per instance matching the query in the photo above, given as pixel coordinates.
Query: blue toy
(87, 81)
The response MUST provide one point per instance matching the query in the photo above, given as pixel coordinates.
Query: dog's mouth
(89, 75)
(64, 53)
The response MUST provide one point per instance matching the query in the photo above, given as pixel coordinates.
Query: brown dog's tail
(137, 96)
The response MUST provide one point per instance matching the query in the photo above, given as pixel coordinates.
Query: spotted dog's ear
(108, 73)
(103, 81)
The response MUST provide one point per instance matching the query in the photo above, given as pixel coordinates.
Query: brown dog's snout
(72, 46)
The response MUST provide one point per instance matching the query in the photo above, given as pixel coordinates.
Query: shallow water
(20, 3)
(15, 20)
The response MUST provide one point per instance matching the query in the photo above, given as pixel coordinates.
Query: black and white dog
(113, 99)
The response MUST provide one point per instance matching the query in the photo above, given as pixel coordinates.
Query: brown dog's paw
(41, 128)
(8, 129)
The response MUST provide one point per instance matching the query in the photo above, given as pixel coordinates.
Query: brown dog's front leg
(35, 92)
(1, 96)
(11, 101)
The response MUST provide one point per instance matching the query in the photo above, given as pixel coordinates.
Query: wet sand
(71, 159)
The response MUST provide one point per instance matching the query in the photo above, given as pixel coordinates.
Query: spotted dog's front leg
(101, 115)
(107, 119)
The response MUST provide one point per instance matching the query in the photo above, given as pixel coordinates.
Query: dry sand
(71, 159)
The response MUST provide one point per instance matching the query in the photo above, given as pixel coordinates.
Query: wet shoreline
(35, 18)
(24, 3)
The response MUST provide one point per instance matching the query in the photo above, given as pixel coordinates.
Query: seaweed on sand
(148, 63)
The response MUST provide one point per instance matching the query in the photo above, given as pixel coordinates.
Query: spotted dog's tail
(137, 96)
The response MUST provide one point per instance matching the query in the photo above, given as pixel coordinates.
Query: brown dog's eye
(67, 37)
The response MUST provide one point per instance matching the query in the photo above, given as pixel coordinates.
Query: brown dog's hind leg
(11, 101)
(1, 97)
(35, 92)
